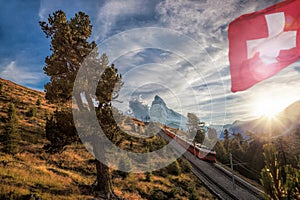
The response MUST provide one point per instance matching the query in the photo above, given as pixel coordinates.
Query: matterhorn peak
(158, 100)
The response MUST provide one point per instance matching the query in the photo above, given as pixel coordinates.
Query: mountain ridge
(288, 117)
(158, 112)
(285, 122)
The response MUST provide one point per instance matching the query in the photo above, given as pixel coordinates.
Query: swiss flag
(263, 43)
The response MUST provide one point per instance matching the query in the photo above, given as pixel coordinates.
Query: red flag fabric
(263, 43)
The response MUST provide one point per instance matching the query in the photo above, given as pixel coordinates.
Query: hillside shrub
(32, 112)
(38, 102)
(174, 168)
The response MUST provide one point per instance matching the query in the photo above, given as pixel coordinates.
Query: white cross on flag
(263, 43)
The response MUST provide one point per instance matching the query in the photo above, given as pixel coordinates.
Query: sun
(270, 101)
(267, 108)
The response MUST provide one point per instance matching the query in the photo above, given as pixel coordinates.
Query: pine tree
(60, 130)
(226, 139)
(222, 154)
(11, 131)
(69, 46)
(71, 49)
(106, 91)
(280, 182)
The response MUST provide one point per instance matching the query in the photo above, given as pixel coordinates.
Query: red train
(200, 151)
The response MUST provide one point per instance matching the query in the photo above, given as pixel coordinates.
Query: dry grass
(28, 173)
(71, 174)
(136, 186)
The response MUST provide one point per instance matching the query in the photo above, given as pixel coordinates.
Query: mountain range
(286, 122)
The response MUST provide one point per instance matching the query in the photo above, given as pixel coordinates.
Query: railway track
(217, 189)
(219, 180)
(241, 182)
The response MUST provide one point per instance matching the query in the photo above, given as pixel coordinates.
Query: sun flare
(267, 108)
(270, 107)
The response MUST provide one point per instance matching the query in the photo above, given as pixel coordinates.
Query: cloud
(201, 69)
(43, 13)
(174, 79)
(115, 16)
(207, 23)
(21, 76)
(171, 59)
(205, 20)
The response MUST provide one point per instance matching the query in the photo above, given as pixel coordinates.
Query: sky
(177, 49)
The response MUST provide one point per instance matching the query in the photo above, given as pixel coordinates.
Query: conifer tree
(226, 140)
(222, 154)
(11, 130)
(70, 49)
(281, 182)
(69, 46)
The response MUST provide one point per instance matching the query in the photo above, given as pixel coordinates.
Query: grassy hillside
(31, 125)
(71, 175)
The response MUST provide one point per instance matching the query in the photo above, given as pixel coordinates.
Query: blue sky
(207, 93)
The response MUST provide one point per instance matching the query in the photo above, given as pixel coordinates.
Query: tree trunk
(104, 184)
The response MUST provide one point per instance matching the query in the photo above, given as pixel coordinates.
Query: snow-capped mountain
(158, 112)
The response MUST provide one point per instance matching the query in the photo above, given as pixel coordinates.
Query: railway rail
(217, 189)
(241, 182)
